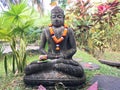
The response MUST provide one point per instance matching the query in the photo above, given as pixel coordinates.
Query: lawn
(14, 82)
(112, 56)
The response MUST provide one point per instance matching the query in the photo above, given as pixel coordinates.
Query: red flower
(103, 8)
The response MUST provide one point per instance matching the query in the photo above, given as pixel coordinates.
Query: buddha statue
(56, 63)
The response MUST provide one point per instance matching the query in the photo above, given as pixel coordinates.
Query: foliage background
(22, 25)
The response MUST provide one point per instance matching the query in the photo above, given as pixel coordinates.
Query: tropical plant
(94, 30)
(79, 16)
(80, 13)
(15, 24)
(19, 18)
(107, 19)
(5, 65)
(114, 41)
(107, 13)
(33, 35)
(19, 55)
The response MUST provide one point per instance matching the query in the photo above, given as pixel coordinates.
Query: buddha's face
(57, 19)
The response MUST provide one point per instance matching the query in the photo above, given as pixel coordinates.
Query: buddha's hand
(42, 57)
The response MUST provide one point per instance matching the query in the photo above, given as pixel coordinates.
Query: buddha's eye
(59, 16)
(53, 16)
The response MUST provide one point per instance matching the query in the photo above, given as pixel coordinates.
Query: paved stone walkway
(7, 49)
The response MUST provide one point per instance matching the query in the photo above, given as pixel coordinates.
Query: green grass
(112, 56)
(104, 69)
(13, 82)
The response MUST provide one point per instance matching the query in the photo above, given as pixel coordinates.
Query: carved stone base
(50, 78)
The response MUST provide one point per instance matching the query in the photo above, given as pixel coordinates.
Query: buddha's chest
(58, 32)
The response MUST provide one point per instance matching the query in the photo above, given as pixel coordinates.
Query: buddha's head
(57, 16)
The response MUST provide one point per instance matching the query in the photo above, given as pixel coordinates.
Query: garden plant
(96, 28)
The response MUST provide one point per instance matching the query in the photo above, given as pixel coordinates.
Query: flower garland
(58, 40)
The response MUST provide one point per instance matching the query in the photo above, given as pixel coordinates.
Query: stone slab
(110, 63)
(106, 82)
(89, 66)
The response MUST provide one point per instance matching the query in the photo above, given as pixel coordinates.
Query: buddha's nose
(56, 20)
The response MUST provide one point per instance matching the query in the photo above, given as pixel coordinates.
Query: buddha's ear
(64, 16)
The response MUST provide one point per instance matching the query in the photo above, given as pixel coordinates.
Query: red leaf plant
(107, 13)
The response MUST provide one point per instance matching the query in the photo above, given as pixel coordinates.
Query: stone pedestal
(50, 78)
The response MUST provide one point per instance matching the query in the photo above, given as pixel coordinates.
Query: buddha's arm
(65, 55)
(42, 44)
(42, 48)
(72, 44)
(69, 53)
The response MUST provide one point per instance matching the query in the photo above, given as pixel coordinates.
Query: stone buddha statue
(56, 63)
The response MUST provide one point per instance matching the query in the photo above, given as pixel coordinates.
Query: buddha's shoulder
(46, 29)
(70, 29)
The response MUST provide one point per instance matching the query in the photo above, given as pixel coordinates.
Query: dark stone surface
(48, 74)
(110, 63)
(61, 48)
(107, 82)
(50, 78)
